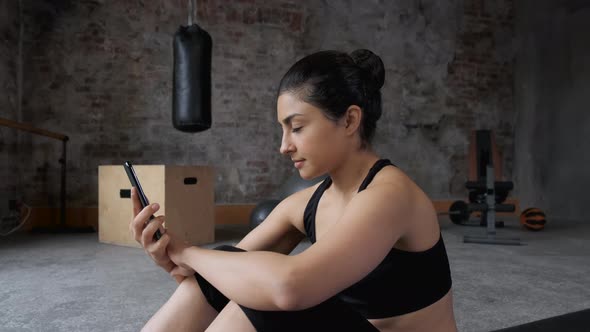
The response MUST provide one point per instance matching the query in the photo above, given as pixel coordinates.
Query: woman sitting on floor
(377, 260)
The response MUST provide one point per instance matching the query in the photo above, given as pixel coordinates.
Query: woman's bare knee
(186, 310)
(231, 318)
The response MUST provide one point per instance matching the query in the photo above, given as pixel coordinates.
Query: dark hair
(333, 81)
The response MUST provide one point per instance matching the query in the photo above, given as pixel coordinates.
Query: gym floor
(71, 282)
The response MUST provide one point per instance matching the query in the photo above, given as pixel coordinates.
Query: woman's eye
(296, 129)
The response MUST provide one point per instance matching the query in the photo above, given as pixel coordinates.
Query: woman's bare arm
(371, 223)
(282, 229)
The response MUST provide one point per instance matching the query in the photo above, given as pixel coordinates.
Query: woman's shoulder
(422, 219)
(402, 189)
(395, 178)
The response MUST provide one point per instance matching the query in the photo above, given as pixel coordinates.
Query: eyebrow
(287, 120)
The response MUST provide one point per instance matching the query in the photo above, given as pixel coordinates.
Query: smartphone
(142, 197)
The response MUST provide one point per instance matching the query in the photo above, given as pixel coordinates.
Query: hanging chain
(192, 12)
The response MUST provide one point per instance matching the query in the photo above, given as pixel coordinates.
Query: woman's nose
(286, 145)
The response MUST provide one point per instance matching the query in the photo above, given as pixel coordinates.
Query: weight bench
(486, 195)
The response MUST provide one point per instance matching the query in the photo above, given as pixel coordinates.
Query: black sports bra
(403, 282)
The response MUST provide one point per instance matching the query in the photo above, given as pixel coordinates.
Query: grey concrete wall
(100, 72)
(9, 151)
(552, 95)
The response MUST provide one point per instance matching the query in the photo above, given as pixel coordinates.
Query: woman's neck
(348, 176)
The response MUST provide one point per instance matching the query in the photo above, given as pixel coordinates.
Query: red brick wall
(480, 78)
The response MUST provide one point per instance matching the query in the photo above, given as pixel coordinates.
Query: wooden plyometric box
(185, 195)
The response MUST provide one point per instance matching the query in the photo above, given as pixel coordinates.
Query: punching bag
(191, 96)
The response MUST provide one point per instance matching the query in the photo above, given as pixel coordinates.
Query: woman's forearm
(257, 280)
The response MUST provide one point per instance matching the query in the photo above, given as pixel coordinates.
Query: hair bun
(373, 67)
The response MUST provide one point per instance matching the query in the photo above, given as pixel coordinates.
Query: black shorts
(330, 315)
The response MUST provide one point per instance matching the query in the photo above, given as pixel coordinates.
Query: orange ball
(533, 219)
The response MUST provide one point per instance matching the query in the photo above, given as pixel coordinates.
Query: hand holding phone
(142, 197)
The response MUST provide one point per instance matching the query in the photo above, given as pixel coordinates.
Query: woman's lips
(299, 163)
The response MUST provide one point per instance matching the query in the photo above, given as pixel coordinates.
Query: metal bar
(63, 162)
(491, 201)
(490, 239)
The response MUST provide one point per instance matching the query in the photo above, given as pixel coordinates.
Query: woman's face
(313, 142)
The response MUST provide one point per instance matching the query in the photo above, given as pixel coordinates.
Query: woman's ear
(353, 119)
